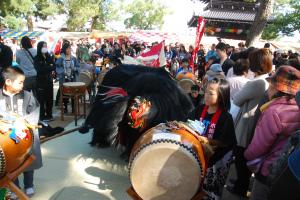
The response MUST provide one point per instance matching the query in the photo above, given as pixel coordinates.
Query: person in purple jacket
(279, 119)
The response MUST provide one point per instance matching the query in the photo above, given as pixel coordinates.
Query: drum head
(85, 77)
(186, 84)
(165, 171)
(74, 84)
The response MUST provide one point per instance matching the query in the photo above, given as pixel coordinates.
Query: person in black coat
(195, 96)
(45, 68)
(224, 61)
(6, 58)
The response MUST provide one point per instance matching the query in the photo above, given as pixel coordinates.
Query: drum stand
(7, 180)
(132, 193)
(76, 97)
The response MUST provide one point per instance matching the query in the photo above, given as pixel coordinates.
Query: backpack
(280, 175)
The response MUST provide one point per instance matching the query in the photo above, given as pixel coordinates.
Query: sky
(182, 12)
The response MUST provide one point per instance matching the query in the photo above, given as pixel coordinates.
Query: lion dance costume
(132, 99)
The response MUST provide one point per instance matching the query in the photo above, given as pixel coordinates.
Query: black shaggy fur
(108, 115)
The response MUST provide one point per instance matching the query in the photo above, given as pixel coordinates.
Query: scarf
(212, 125)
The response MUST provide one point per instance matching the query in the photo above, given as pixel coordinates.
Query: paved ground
(73, 171)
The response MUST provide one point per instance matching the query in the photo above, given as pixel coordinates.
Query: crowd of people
(255, 89)
(245, 97)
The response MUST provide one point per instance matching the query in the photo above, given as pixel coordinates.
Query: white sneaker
(13, 196)
(29, 192)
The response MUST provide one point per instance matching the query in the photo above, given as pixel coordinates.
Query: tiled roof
(230, 15)
(216, 1)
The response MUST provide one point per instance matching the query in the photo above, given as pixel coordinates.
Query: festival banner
(155, 57)
(199, 35)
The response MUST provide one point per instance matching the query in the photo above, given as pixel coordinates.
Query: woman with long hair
(182, 53)
(25, 59)
(45, 68)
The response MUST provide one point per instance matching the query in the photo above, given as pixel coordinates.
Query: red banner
(155, 57)
(199, 35)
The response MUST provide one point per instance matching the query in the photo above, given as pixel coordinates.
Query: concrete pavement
(73, 170)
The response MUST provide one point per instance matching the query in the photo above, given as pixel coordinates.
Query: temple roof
(232, 5)
(241, 1)
(224, 16)
(239, 16)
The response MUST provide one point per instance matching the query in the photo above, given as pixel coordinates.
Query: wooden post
(61, 103)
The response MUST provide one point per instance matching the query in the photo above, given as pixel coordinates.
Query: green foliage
(16, 12)
(45, 8)
(145, 14)
(13, 22)
(98, 11)
(286, 21)
(141, 14)
(270, 32)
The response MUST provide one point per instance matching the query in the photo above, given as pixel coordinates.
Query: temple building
(230, 19)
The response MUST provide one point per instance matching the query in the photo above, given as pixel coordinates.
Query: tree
(286, 19)
(98, 12)
(145, 14)
(16, 12)
(261, 18)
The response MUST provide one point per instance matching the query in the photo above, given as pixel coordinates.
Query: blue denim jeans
(28, 180)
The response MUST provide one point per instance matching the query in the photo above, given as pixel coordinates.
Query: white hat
(281, 51)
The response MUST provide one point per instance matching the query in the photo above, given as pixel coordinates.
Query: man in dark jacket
(225, 62)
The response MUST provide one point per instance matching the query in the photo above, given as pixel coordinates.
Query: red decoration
(27, 134)
(199, 34)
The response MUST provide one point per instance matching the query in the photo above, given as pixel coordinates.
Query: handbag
(277, 169)
(255, 165)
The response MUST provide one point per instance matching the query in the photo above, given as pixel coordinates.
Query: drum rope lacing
(189, 149)
(2, 163)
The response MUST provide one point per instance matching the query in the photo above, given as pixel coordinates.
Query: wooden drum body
(186, 84)
(13, 153)
(167, 163)
(73, 88)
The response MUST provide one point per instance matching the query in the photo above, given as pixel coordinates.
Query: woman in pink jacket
(280, 118)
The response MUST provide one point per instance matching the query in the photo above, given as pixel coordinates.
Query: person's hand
(4, 126)
(53, 74)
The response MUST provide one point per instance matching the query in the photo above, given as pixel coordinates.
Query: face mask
(44, 50)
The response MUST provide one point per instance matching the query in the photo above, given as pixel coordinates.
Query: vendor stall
(98, 36)
(149, 37)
